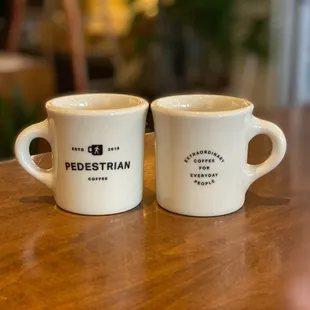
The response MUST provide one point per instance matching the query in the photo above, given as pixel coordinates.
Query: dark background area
(167, 47)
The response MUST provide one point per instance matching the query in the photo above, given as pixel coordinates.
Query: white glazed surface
(75, 123)
(217, 129)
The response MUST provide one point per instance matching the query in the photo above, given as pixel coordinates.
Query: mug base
(206, 214)
(87, 213)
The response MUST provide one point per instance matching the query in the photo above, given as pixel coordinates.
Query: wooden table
(256, 258)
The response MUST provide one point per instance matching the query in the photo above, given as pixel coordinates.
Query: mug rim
(141, 104)
(155, 106)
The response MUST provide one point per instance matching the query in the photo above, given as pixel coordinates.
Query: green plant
(256, 39)
(212, 22)
(14, 116)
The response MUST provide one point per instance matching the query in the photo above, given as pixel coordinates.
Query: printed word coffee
(204, 162)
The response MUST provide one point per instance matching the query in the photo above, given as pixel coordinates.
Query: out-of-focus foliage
(15, 116)
(256, 40)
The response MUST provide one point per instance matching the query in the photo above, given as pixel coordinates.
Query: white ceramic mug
(201, 152)
(97, 143)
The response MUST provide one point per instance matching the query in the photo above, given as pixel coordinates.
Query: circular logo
(203, 166)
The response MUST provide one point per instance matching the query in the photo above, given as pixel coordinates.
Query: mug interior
(201, 103)
(95, 102)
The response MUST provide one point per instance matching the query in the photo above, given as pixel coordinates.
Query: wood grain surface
(257, 258)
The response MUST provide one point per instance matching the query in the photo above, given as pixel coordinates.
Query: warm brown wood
(257, 258)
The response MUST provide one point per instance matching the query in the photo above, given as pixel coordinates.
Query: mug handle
(23, 156)
(257, 127)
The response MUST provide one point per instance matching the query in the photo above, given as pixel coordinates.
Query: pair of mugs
(97, 143)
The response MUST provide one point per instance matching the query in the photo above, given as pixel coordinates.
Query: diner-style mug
(201, 152)
(97, 143)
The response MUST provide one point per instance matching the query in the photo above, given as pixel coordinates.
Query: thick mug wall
(97, 161)
(200, 162)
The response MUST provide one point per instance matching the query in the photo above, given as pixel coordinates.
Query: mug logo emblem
(204, 164)
(95, 149)
(96, 166)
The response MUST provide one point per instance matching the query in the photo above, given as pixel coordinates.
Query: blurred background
(256, 49)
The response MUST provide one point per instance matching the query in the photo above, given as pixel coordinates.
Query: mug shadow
(252, 199)
(149, 196)
(38, 199)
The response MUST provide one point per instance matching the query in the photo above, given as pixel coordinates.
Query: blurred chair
(33, 77)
